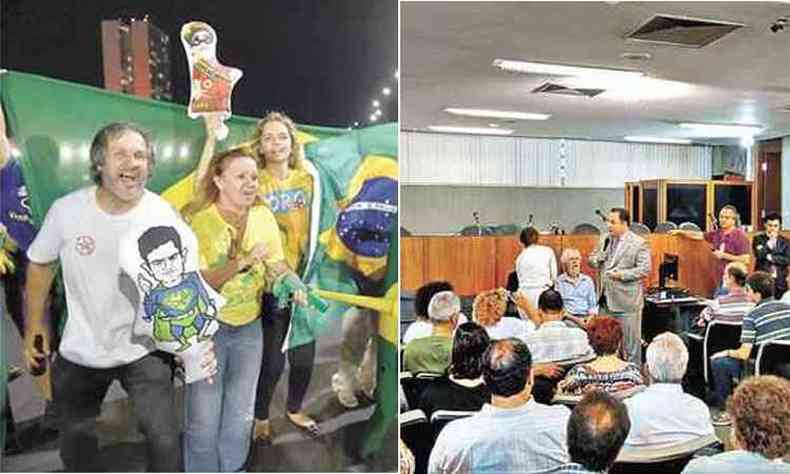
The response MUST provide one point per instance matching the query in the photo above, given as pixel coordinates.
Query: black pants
(79, 391)
(275, 327)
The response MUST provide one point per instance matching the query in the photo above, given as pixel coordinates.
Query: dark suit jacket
(780, 256)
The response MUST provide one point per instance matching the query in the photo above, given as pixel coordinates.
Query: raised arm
(211, 122)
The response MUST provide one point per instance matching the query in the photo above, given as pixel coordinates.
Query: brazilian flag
(356, 243)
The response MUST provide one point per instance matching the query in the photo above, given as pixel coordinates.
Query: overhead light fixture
(470, 130)
(503, 114)
(640, 139)
(376, 103)
(532, 67)
(715, 130)
(386, 91)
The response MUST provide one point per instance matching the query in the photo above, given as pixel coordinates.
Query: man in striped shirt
(768, 321)
(732, 306)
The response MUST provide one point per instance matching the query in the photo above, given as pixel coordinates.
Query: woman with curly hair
(760, 412)
(488, 310)
(608, 372)
(462, 387)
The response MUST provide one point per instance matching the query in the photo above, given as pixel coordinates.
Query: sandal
(304, 423)
(262, 431)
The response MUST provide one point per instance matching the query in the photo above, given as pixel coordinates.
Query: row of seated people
(607, 371)
(553, 341)
(513, 432)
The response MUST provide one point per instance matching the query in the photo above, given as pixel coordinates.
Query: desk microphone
(601, 215)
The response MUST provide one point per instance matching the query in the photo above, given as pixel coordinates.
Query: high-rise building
(136, 57)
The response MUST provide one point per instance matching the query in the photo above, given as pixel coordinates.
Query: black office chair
(665, 227)
(689, 226)
(477, 230)
(664, 460)
(413, 385)
(773, 357)
(440, 418)
(415, 431)
(507, 229)
(639, 228)
(719, 335)
(585, 228)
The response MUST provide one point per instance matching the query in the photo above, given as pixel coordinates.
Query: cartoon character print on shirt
(175, 300)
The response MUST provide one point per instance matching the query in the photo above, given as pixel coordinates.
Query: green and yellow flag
(355, 255)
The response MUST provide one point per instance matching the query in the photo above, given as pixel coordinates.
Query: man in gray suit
(623, 259)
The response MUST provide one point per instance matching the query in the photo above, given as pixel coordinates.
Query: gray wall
(447, 209)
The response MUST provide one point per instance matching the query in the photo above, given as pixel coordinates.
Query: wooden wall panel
(413, 261)
(468, 263)
(474, 264)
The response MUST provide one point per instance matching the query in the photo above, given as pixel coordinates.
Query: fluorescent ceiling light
(680, 141)
(563, 70)
(504, 114)
(470, 130)
(713, 130)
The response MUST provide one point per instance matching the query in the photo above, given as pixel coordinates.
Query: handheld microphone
(529, 222)
(606, 242)
(601, 215)
(714, 222)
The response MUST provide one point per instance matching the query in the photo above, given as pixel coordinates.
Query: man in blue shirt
(576, 288)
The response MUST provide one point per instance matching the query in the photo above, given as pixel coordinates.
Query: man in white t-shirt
(82, 232)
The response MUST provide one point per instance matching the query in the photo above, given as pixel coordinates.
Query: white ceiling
(447, 50)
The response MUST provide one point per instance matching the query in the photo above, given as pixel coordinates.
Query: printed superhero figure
(178, 304)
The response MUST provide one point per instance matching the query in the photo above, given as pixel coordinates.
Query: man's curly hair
(489, 306)
(760, 409)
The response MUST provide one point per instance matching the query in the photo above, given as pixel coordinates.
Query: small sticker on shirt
(285, 201)
(85, 245)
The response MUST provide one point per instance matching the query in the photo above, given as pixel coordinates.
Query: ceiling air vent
(682, 31)
(554, 88)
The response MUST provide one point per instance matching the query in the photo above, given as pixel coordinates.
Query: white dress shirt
(663, 415)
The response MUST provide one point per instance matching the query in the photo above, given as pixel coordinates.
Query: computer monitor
(668, 270)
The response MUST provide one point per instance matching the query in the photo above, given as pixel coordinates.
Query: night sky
(320, 61)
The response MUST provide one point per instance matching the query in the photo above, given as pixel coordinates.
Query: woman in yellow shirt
(286, 184)
(240, 252)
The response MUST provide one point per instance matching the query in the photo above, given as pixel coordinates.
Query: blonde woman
(288, 185)
(240, 252)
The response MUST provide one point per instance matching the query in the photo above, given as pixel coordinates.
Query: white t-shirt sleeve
(50, 238)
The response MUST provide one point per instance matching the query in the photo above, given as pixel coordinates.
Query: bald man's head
(597, 429)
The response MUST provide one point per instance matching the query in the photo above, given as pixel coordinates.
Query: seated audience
(513, 433)
(732, 305)
(553, 340)
(597, 429)
(663, 415)
(577, 289)
(462, 388)
(760, 411)
(608, 372)
(432, 353)
(768, 321)
(489, 310)
(422, 327)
